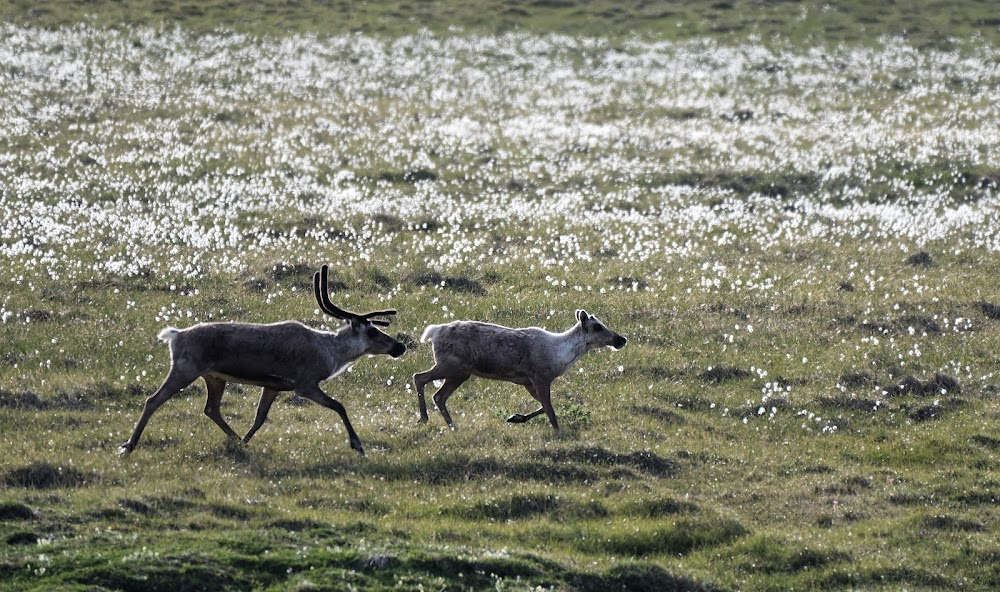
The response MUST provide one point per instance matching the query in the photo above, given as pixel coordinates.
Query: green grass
(807, 400)
(649, 485)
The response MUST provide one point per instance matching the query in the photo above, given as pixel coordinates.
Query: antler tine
(323, 298)
(320, 282)
(379, 313)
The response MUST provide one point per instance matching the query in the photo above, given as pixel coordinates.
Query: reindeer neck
(570, 345)
(342, 344)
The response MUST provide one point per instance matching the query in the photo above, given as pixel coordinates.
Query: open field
(799, 241)
(922, 23)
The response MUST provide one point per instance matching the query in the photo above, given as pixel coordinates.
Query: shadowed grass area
(925, 24)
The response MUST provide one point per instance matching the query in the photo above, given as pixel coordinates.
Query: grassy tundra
(796, 233)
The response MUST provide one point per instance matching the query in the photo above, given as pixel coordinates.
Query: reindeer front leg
(315, 394)
(543, 395)
(213, 404)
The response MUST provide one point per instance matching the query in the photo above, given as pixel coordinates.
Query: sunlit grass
(799, 243)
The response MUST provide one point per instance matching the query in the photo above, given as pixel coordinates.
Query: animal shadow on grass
(569, 465)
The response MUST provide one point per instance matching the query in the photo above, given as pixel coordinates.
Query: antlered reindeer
(531, 357)
(286, 356)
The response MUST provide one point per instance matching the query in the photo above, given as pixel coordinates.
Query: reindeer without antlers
(285, 356)
(531, 357)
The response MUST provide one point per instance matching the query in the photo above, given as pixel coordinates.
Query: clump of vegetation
(11, 511)
(455, 283)
(42, 475)
(920, 259)
(723, 373)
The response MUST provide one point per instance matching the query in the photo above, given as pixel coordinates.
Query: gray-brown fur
(286, 356)
(531, 357)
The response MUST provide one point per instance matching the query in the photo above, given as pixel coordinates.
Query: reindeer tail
(429, 333)
(167, 335)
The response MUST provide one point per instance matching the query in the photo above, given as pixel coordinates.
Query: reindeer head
(597, 334)
(362, 325)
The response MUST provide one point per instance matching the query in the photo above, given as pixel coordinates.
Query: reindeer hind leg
(179, 377)
(263, 407)
(451, 383)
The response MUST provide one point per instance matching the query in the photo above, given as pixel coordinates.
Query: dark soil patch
(641, 460)
(667, 416)
(941, 383)
(950, 523)
(849, 402)
(21, 400)
(683, 535)
(655, 508)
(520, 506)
(257, 285)
(929, 412)
(655, 373)
(921, 259)
(638, 577)
(378, 561)
(418, 175)
(719, 374)
(857, 380)
(629, 282)
(10, 511)
(297, 525)
(410, 176)
(907, 386)
(389, 222)
(453, 283)
(778, 185)
(849, 486)
(475, 469)
(45, 476)
(992, 311)
(299, 274)
(988, 442)
(23, 538)
(136, 506)
(35, 315)
(919, 323)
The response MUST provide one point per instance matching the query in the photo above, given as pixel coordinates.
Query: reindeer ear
(356, 325)
(582, 316)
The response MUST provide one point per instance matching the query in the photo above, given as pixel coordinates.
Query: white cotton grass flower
(515, 135)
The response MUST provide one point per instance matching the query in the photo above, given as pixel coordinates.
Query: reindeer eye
(373, 333)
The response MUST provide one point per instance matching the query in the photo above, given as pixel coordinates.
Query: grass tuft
(43, 475)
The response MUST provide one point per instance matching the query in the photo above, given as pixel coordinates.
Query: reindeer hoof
(357, 446)
(517, 418)
(125, 449)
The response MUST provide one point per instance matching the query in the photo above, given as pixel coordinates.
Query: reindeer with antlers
(286, 356)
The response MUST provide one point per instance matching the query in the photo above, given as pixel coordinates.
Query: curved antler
(320, 282)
